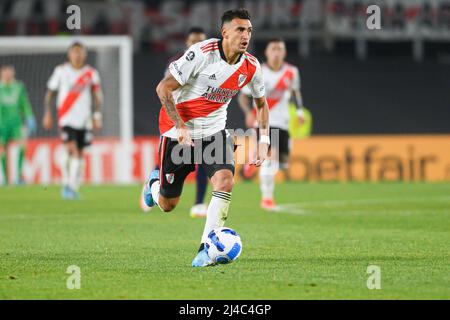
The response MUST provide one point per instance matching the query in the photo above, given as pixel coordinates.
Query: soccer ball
(223, 245)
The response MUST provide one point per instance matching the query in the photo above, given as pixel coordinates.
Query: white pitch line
(298, 208)
(373, 201)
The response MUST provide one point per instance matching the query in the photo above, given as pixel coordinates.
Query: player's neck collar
(222, 54)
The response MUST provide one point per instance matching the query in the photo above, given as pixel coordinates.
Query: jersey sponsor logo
(212, 77)
(221, 95)
(170, 177)
(190, 56)
(241, 79)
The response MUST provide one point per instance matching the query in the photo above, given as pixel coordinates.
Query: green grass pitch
(317, 247)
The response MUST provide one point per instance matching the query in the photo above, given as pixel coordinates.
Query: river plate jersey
(15, 107)
(208, 83)
(279, 85)
(74, 101)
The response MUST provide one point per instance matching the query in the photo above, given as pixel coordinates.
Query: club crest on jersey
(170, 177)
(241, 79)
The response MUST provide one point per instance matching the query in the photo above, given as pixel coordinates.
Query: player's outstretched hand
(263, 151)
(301, 119)
(97, 124)
(31, 125)
(184, 136)
(47, 121)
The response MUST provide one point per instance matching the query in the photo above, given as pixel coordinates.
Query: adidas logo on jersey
(212, 77)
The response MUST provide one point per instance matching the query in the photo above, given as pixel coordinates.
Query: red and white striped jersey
(279, 85)
(74, 100)
(208, 83)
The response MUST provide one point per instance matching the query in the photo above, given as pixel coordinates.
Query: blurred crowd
(160, 25)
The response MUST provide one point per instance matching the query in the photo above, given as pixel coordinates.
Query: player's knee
(224, 183)
(167, 205)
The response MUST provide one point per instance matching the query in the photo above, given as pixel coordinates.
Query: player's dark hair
(276, 40)
(195, 30)
(6, 66)
(76, 44)
(229, 15)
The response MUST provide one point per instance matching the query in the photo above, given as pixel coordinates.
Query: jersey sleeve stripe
(211, 47)
(207, 46)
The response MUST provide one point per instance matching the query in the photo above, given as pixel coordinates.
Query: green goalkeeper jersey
(15, 106)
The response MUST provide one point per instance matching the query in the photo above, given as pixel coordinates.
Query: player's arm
(180, 73)
(296, 97)
(52, 87)
(298, 101)
(47, 120)
(165, 91)
(97, 96)
(262, 117)
(26, 111)
(244, 101)
(257, 90)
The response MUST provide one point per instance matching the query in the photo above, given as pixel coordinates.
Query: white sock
(74, 173)
(65, 167)
(267, 172)
(217, 212)
(155, 191)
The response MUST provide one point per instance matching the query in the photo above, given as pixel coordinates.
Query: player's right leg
(21, 142)
(279, 154)
(3, 163)
(164, 186)
(68, 160)
(4, 140)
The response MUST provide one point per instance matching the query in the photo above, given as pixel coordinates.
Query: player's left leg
(4, 139)
(221, 172)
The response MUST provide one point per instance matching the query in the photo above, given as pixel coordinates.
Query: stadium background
(391, 83)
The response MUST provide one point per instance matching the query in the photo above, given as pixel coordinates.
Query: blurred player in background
(16, 119)
(195, 97)
(282, 82)
(76, 84)
(195, 34)
(201, 178)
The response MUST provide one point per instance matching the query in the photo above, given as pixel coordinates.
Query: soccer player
(198, 210)
(16, 119)
(77, 84)
(282, 82)
(192, 122)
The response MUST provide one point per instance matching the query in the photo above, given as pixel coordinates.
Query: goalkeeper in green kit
(16, 119)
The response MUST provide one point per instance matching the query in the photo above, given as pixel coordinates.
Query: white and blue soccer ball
(223, 245)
